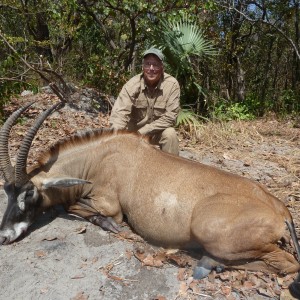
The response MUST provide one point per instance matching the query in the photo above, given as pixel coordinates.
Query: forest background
(233, 59)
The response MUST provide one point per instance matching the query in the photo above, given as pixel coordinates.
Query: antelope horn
(5, 163)
(20, 168)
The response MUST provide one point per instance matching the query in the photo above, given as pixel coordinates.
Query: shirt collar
(144, 86)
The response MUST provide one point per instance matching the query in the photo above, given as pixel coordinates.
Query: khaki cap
(154, 51)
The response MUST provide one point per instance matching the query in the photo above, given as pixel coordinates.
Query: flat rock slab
(68, 258)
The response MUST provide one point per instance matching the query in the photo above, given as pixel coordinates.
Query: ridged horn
(5, 163)
(21, 163)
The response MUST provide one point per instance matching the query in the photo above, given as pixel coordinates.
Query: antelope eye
(29, 193)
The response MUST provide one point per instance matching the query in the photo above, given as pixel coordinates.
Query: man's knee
(169, 141)
(169, 133)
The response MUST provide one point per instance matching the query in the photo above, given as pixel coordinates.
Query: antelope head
(23, 197)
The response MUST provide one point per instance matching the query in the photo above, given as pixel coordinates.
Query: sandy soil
(63, 257)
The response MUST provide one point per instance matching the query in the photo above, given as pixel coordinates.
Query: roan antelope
(170, 201)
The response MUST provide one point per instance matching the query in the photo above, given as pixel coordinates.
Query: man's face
(153, 69)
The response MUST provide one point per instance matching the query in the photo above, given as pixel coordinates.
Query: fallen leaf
(128, 254)
(151, 261)
(256, 282)
(129, 236)
(181, 274)
(179, 260)
(171, 251)
(20, 133)
(226, 290)
(44, 290)
(265, 292)
(40, 253)
(248, 285)
(59, 257)
(160, 298)
(140, 256)
(225, 276)
(194, 287)
(80, 296)
(189, 280)
(115, 277)
(210, 286)
(247, 164)
(183, 289)
(50, 238)
(280, 280)
(95, 259)
(79, 276)
(161, 256)
(228, 156)
(80, 230)
(212, 277)
(107, 268)
(83, 265)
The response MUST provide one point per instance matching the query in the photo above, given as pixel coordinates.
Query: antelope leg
(106, 223)
(295, 287)
(204, 267)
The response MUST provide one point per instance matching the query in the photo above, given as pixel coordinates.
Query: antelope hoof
(294, 288)
(203, 268)
(2, 240)
(106, 223)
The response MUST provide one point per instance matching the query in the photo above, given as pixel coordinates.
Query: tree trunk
(296, 64)
(240, 74)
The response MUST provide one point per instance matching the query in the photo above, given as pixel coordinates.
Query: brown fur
(80, 138)
(168, 200)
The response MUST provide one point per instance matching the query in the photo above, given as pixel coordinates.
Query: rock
(26, 93)
(89, 100)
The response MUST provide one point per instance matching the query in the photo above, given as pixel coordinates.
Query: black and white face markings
(22, 207)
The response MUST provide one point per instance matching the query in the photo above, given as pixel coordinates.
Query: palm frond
(190, 38)
(181, 41)
(187, 117)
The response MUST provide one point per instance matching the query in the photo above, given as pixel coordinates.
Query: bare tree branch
(268, 23)
(98, 21)
(3, 6)
(15, 78)
(62, 93)
(2, 79)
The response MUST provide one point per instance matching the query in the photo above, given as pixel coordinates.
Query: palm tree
(181, 42)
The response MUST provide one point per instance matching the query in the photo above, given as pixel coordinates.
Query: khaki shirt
(136, 108)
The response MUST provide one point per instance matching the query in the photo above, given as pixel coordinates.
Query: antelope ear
(62, 182)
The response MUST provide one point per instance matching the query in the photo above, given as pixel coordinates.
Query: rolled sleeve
(121, 111)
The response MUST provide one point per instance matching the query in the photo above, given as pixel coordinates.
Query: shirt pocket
(139, 110)
(159, 108)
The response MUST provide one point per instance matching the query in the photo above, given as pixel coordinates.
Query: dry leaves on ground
(235, 144)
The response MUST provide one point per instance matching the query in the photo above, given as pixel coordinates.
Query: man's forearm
(165, 121)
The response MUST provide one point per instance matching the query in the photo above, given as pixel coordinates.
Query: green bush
(288, 103)
(234, 111)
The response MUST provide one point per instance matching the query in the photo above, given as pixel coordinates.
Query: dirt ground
(64, 257)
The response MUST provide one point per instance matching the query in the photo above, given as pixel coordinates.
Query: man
(149, 103)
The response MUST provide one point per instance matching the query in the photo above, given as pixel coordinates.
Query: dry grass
(220, 135)
(255, 143)
(270, 150)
